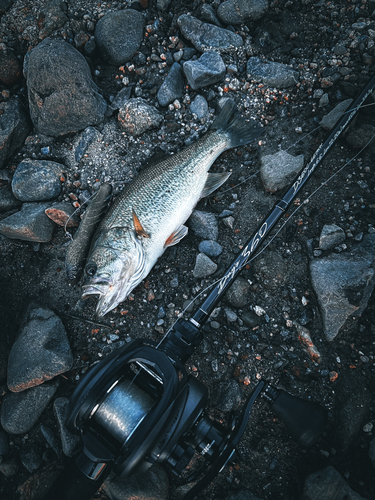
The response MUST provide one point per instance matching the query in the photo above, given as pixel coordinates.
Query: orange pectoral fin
(138, 226)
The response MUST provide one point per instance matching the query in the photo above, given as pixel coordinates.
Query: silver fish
(149, 214)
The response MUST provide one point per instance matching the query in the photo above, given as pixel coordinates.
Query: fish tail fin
(238, 130)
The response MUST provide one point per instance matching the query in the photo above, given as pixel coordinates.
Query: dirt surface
(303, 34)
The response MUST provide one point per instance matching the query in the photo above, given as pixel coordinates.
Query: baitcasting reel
(139, 407)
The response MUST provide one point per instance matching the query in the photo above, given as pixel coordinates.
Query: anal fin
(176, 236)
(214, 181)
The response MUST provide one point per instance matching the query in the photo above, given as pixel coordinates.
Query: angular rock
(136, 116)
(63, 214)
(119, 35)
(37, 180)
(163, 4)
(10, 66)
(152, 484)
(31, 458)
(203, 266)
(7, 200)
(272, 74)
(331, 236)
(208, 13)
(343, 284)
(278, 170)
(210, 248)
(328, 483)
(204, 224)
(20, 411)
(329, 121)
(172, 87)
(240, 11)
(208, 69)
(29, 224)
(14, 128)
(237, 295)
(62, 95)
(120, 99)
(206, 37)
(199, 106)
(70, 442)
(86, 138)
(52, 17)
(41, 351)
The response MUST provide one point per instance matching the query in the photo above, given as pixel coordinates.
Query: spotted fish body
(149, 214)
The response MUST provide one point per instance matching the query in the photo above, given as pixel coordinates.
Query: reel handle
(305, 420)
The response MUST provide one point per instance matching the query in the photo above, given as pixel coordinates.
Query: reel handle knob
(305, 420)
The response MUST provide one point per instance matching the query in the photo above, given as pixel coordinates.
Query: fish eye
(91, 269)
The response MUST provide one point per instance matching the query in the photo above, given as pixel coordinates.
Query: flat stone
(239, 11)
(206, 36)
(14, 128)
(210, 248)
(204, 266)
(29, 224)
(207, 70)
(204, 225)
(119, 35)
(137, 116)
(279, 170)
(329, 121)
(63, 214)
(62, 95)
(328, 483)
(41, 351)
(272, 74)
(37, 180)
(172, 87)
(70, 442)
(20, 411)
(199, 106)
(331, 236)
(343, 284)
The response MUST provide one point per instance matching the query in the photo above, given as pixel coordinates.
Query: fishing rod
(138, 406)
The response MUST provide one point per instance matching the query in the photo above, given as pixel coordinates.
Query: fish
(149, 214)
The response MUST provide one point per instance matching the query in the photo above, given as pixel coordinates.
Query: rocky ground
(80, 105)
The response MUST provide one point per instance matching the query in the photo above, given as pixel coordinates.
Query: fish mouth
(110, 295)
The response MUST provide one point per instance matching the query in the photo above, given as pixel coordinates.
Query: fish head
(115, 266)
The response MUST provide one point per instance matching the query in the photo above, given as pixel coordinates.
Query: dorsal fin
(138, 226)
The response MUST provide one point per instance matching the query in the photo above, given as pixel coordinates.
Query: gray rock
(199, 106)
(62, 95)
(208, 14)
(152, 484)
(360, 135)
(206, 36)
(203, 266)
(328, 484)
(329, 121)
(7, 200)
(70, 442)
(14, 128)
(272, 74)
(51, 439)
(85, 139)
(204, 225)
(250, 319)
(136, 116)
(237, 295)
(343, 284)
(331, 236)
(40, 352)
(119, 35)
(278, 170)
(371, 452)
(172, 87)
(52, 17)
(163, 4)
(230, 396)
(21, 410)
(230, 315)
(31, 457)
(210, 248)
(240, 11)
(121, 98)
(29, 224)
(37, 180)
(208, 69)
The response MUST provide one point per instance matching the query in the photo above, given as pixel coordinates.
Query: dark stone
(210, 248)
(40, 352)
(172, 87)
(29, 224)
(359, 136)
(31, 457)
(271, 270)
(137, 116)
(37, 180)
(237, 295)
(208, 69)
(204, 224)
(250, 319)
(70, 442)
(4, 443)
(119, 35)
(88, 136)
(230, 396)
(14, 128)
(62, 95)
(10, 66)
(239, 11)
(328, 484)
(20, 411)
(272, 74)
(7, 200)
(52, 17)
(4, 5)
